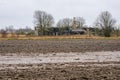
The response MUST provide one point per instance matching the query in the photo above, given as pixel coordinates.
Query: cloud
(19, 13)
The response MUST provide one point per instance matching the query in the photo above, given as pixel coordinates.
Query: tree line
(105, 25)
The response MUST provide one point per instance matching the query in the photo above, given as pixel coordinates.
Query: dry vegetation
(25, 37)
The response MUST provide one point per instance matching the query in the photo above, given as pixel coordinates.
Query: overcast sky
(19, 13)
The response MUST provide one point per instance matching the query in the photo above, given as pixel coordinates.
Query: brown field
(58, 71)
(57, 46)
(68, 71)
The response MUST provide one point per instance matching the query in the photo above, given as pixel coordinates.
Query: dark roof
(77, 30)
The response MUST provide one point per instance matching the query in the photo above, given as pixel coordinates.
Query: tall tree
(80, 22)
(64, 25)
(10, 29)
(106, 23)
(66, 22)
(43, 20)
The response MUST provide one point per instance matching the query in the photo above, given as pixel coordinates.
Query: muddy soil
(74, 59)
(62, 58)
(62, 72)
(61, 66)
(57, 46)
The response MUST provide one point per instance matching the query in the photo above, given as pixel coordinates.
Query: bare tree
(106, 23)
(64, 25)
(43, 20)
(11, 30)
(80, 22)
(66, 22)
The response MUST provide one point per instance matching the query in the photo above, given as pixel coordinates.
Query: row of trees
(16, 32)
(105, 23)
(67, 22)
(43, 22)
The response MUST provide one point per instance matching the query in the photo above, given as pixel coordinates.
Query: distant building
(56, 31)
(77, 31)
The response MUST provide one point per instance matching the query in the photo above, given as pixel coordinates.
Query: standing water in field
(62, 58)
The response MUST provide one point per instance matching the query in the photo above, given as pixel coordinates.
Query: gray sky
(19, 13)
